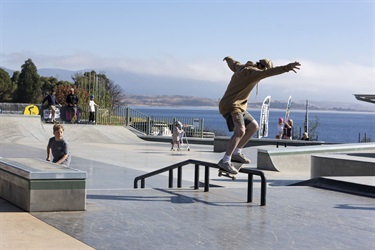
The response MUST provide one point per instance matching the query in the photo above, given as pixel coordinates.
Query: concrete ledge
(39, 186)
(342, 165)
(298, 159)
(363, 187)
(220, 143)
(168, 139)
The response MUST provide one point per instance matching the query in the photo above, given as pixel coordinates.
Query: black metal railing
(250, 172)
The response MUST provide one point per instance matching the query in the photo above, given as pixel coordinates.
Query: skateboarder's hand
(293, 66)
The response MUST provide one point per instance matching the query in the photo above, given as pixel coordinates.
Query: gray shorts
(241, 118)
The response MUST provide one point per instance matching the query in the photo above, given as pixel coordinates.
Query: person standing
(233, 105)
(280, 128)
(92, 105)
(72, 102)
(288, 130)
(52, 103)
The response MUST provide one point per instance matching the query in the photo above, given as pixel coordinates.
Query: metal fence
(120, 116)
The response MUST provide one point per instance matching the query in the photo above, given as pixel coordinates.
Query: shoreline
(252, 109)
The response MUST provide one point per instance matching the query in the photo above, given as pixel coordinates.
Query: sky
(187, 39)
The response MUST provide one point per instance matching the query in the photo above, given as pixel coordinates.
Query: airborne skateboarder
(233, 105)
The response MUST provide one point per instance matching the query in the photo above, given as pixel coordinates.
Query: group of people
(232, 106)
(285, 129)
(57, 147)
(72, 106)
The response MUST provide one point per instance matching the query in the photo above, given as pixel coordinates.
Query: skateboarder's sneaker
(227, 167)
(241, 158)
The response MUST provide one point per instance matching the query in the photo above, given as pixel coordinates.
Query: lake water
(340, 127)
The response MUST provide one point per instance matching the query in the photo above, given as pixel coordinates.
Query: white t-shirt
(92, 106)
(280, 127)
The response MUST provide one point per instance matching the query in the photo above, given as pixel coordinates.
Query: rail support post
(250, 188)
(170, 182)
(196, 177)
(206, 179)
(179, 177)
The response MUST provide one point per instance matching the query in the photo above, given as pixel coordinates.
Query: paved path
(120, 217)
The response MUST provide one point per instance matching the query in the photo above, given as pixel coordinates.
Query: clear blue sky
(333, 40)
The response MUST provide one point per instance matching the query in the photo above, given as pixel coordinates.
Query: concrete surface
(298, 159)
(342, 165)
(220, 143)
(120, 217)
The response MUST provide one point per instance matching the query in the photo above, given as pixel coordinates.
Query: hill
(191, 101)
(137, 83)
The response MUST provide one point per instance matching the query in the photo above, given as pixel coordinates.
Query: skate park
(336, 212)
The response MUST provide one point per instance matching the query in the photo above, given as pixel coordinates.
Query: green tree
(7, 87)
(29, 85)
(14, 79)
(62, 90)
(48, 84)
(99, 86)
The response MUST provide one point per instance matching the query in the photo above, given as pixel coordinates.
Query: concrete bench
(298, 159)
(39, 186)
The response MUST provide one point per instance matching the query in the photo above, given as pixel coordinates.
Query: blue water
(339, 127)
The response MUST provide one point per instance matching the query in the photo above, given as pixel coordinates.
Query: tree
(7, 87)
(116, 94)
(14, 79)
(106, 92)
(29, 84)
(48, 84)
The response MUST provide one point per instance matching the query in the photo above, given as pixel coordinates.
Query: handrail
(207, 165)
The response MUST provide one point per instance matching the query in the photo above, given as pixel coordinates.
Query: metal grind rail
(250, 172)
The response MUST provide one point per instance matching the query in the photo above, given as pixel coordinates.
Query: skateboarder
(52, 103)
(233, 105)
(57, 147)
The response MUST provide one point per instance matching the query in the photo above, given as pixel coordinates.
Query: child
(280, 128)
(177, 135)
(92, 105)
(58, 147)
(305, 136)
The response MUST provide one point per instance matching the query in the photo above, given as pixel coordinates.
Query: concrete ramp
(99, 134)
(298, 159)
(22, 129)
(30, 129)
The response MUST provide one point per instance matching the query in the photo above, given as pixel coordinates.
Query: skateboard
(237, 165)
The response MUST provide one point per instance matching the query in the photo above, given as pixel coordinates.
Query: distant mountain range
(191, 101)
(168, 91)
